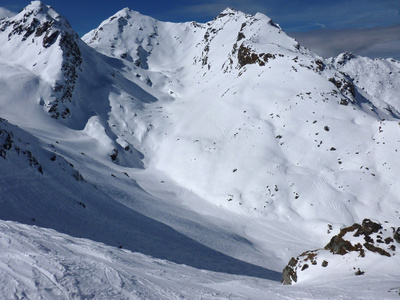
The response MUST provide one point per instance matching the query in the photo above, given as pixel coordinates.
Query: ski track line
(20, 279)
(115, 280)
(52, 278)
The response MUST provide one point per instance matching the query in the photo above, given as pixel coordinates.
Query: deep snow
(210, 153)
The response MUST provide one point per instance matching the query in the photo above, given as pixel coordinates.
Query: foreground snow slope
(37, 263)
(222, 146)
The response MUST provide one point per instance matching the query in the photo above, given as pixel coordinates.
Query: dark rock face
(368, 227)
(246, 56)
(345, 85)
(8, 145)
(344, 58)
(396, 235)
(289, 274)
(340, 244)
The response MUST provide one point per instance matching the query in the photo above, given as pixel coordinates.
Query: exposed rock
(368, 227)
(353, 239)
(246, 56)
(338, 245)
(359, 272)
(344, 58)
(396, 235)
(289, 273)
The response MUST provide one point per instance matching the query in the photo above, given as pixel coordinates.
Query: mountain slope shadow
(81, 210)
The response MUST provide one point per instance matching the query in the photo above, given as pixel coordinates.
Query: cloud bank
(5, 13)
(372, 42)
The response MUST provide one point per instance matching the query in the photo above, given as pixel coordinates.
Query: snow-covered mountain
(377, 79)
(250, 112)
(224, 146)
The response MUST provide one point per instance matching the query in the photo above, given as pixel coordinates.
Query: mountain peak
(38, 19)
(343, 58)
(228, 12)
(40, 10)
(38, 28)
(125, 13)
(35, 4)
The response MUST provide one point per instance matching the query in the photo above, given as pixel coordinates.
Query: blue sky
(366, 27)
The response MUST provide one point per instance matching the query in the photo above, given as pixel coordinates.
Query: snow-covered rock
(357, 249)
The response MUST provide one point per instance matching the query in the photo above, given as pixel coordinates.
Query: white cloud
(5, 13)
(372, 42)
(340, 14)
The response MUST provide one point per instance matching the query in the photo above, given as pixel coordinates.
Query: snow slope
(217, 150)
(39, 263)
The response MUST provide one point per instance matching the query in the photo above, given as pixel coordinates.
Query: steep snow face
(257, 124)
(43, 42)
(377, 79)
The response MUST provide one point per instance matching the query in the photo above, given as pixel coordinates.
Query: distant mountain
(377, 79)
(224, 146)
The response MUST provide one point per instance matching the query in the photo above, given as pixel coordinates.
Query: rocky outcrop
(247, 56)
(19, 148)
(359, 239)
(11, 145)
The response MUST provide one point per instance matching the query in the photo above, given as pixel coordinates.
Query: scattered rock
(359, 272)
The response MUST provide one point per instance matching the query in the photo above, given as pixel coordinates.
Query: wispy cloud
(206, 10)
(5, 13)
(371, 42)
(294, 15)
(340, 14)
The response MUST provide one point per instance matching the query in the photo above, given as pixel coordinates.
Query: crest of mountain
(230, 41)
